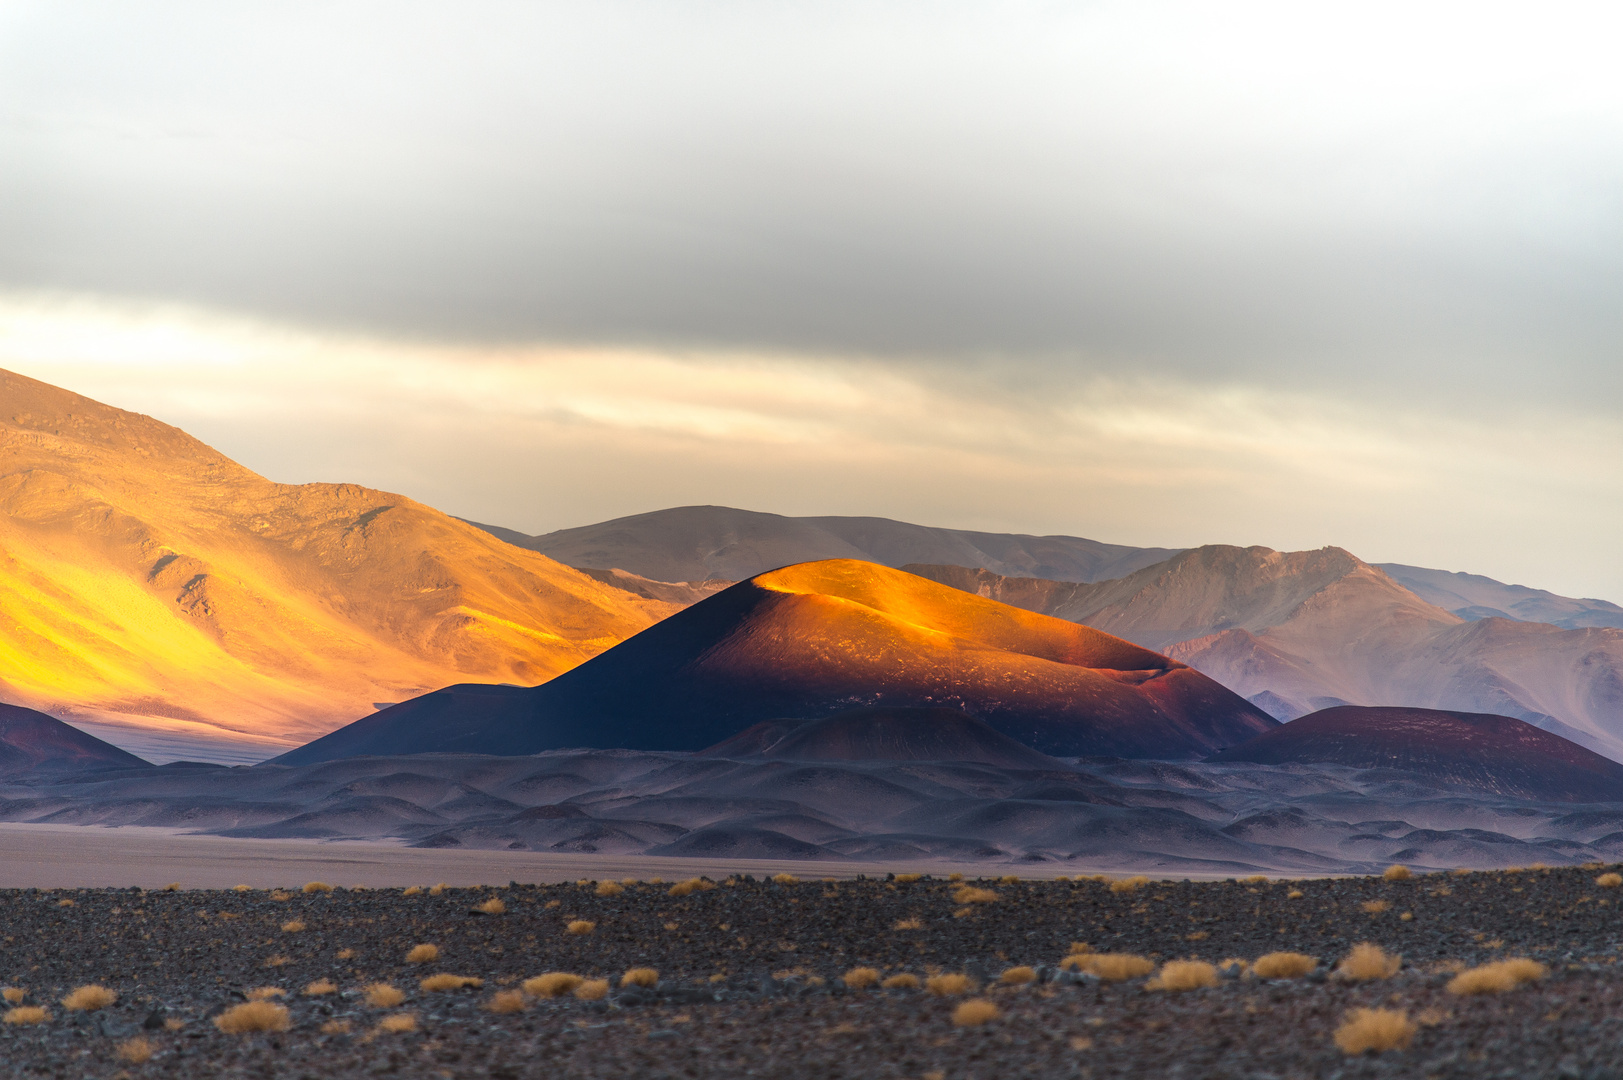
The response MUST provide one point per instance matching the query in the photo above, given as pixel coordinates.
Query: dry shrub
(1497, 977)
(508, 1001)
(860, 978)
(173, 1024)
(1009, 879)
(423, 954)
(1609, 881)
(1177, 976)
(969, 894)
(1079, 947)
(1018, 976)
(382, 996)
(398, 1024)
(1114, 967)
(610, 888)
(1294, 894)
(136, 1051)
(14, 994)
(1368, 961)
(27, 1014)
(1257, 879)
(254, 1016)
(693, 885)
(1131, 884)
(1397, 873)
(442, 981)
(955, 876)
(64, 902)
(552, 984)
(317, 886)
(908, 924)
(436, 890)
(785, 879)
(319, 987)
(279, 895)
(346, 954)
(593, 990)
(1374, 1029)
(904, 981)
(640, 977)
(173, 886)
(335, 1027)
(293, 926)
(1375, 907)
(1283, 965)
(412, 890)
(493, 906)
(265, 993)
(975, 1012)
(908, 879)
(278, 961)
(949, 985)
(580, 926)
(89, 998)
(242, 888)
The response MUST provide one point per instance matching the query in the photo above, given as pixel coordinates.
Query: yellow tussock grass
(640, 977)
(908, 879)
(265, 993)
(949, 985)
(1018, 976)
(508, 1001)
(785, 879)
(1257, 879)
(1396, 872)
(1367, 961)
(242, 888)
(493, 906)
(1609, 881)
(412, 890)
(1283, 965)
(1375, 907)
(552, 984)
(89, 998)
(423, 954)
(398, 1024)
(904, 981)
(319, 987)
(1079, 947)
(27, 1014)
(335, 1027)
(969, 894)
(442, 981)
(136, 1051)
(173, 886)
(610, 888)
(1009, 879)
(254, 1016)
(580, 926)
(1374, 1029)
(64, 902)
(908, 924)
(1114, 967)
(1295, 894)
(975, 1012)
(1131, 884)
(1497, 977)
(693, 885)
(436, 890)
(14, 994)
(1433, 1017)
(173, 1024)
(592, 990)
(293, 926)
(1177, 976)
(279, 895)
(860, 978)
(382, 996)
(346, 954)
(955, 876)
(317, 886)
(278, 961)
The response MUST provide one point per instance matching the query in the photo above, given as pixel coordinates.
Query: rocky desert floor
(755, 977)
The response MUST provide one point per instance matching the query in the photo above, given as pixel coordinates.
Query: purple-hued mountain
(32, 741)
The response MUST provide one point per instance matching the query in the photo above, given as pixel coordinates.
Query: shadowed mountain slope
(32, 742)
(148, 580)
(883, 734)
(1472, 596)
(1496, 754)
(814, 639)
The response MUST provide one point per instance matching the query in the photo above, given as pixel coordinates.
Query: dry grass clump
(265, 993)
(27, 1014)
(14, 994)
(1177, 976)
(693, 885)
(1114, 967)
(1396, 872)
(437, 890)
(278, 961)
(1375, 907)
(1131, 884)
(412, 890)
(242, 888)
(969, 894)
(1368, 961)
(493, 906)
(552, 984)
(1374, 1029)
(592, 990)
(508, 1001)
(173, 886)
(1018, 976)
(908, 924)
(293, 926)
(442, 981)
(1609, 881)
(136, 1051)
(908, 879)
(317, 886)
(89, 998)
(903, 981)
(335, 1027)
(423, 954)
(975, 1012)
(64, 902)
(580, 927)
(382, 996)
(319, 987)
(609, 888)
(1283, 965)
(860, 978)
(1257, 879)
(785, 879)
(1497, 977)
(1295, 894)
(949, 985)
(398, 1023)
(346, 954)
(640, 977)
(254, 1016)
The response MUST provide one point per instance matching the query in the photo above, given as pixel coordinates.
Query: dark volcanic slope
(884, 734)
(1497, 754)
(31, 741)
(810, 640)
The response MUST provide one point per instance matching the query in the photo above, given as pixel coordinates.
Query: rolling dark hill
(810, 640)
(32, 741)
(1481, 751)
(883, 734)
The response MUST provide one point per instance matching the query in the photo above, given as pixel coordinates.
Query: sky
(1152, 273)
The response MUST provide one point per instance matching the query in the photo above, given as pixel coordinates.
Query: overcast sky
(1290, 274)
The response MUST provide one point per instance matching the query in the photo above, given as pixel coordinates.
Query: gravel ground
(749, 979)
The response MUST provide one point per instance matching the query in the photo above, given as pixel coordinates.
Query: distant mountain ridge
(1472, 596)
